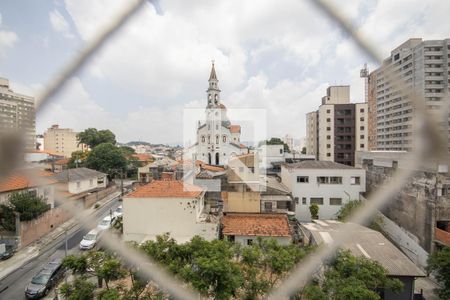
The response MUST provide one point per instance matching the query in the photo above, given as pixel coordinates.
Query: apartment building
(329, 185)
(424, 66)
(338, 128)
(62, 141)
(17, 113)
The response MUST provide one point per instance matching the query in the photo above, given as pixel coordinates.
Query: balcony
(442, 236)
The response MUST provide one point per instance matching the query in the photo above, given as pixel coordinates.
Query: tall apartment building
(338, 128)
(61, 141)
(425, 68)
(17, 113)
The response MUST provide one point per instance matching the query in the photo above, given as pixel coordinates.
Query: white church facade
(217, 139)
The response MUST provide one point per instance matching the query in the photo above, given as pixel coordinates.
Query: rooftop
(77, 174)
(316, 164)
(365, 242)
(235, 128)
(255, 224)
(166, 189)
(23, 180)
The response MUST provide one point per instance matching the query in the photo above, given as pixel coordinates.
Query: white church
(217, 138)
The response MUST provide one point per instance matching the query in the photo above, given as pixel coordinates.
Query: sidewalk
(29, 252)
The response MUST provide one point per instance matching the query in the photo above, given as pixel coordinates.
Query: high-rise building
(62, 141)
(338, 128)
(425, 68)
(17, 113)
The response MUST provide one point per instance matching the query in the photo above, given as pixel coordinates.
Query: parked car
(43, 281)
(105, 223)
(118, 212)
(7, 254)
(90, 240)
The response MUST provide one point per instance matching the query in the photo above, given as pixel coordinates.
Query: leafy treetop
(93, 137)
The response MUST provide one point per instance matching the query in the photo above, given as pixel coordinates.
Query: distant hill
(134, 143)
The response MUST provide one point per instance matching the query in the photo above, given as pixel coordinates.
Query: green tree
(303, 150)
(314, 210)
(93, 137)
(27, 204)
(439, 264)
(127, 150)
(106, 158)
(96, 263)
(80, 289)
(352, 277)
(347, 209)
(78, 159)
(276, 141)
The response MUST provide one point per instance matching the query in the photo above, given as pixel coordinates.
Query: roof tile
(166, 189)
(256, 224)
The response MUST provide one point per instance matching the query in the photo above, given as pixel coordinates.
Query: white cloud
(7, 39)
(59, 23)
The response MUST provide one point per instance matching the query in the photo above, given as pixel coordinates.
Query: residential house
(243, 184)
(31, 180)
(370, 244)
(153, 170)
(81, 180)
(275, 196)
(246, 228)
(328, 184)
(167, 206)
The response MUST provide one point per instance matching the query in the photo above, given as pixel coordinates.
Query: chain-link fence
(431, 144)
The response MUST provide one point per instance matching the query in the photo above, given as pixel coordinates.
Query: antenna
(364, 73)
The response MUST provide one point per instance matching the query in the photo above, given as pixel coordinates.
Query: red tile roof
(235, 128)
(166, 189)
(256, 224)
(142, 156)
(20, 181)
(212, 168)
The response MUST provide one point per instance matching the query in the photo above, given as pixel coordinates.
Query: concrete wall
(92, 198)
(35, 229)
(243, 202)
(361, 126)
(243, 239)
(145, 218)
(346, 191)
(47, 192)
(80, 186)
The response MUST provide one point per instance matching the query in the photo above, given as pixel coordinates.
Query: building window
(361, 145)
(209, 139)
(336, 180)
(361, 110)
(361, 136)
(328, 154)
(328, 128)
(335, 201)
(328, 146)
(217, 139)
(361, 128)
(355, 180)
(303, 179)
(268, 206)
(328, 137)
(328, 111)
(318, 201)
(304, 201)
(249, 242)
(217, 127)
(328, 120)
(224, 138)
(322, 180)
(203, 138)
(361, 119)
(282, 205)
(281, 151)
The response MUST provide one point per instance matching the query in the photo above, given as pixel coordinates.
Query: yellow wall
(243, 202)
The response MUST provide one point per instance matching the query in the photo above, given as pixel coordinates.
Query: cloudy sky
(275, 55)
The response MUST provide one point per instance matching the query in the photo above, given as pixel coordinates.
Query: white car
(105, 223)
(89, 240)
(118, 212)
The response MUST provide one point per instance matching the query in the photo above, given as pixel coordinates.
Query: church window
(203, 138)
(217, 127)
(217, 139)
(224, 138)
(209, 127)
(224, 154)
(209, 139)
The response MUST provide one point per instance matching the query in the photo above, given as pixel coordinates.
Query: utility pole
(121, 182)
(65, 242)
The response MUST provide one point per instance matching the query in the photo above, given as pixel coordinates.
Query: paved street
(16, 281)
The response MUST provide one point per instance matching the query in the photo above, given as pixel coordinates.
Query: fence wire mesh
(431, 145)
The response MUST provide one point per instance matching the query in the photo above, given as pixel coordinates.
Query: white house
(170, 207)
(81, 180)
(35, 181)
(328, 184)
(246, 228)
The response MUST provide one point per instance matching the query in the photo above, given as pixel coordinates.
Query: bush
(96, 205)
